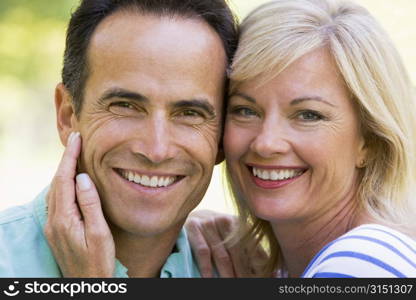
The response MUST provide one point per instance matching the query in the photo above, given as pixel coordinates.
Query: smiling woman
(320, 142)
(140, 116)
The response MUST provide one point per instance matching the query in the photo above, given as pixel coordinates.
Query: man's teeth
(280, 174)
(153, 181)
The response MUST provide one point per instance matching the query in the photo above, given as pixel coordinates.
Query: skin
(207, 231)
(151, 105)
(301, 118)
(76, 230)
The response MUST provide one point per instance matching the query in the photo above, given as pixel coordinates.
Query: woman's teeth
(278, 174)
(148, 181)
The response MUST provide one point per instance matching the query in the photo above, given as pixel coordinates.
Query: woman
(319, 143)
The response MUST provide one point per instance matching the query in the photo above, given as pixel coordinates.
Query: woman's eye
(309, 115)
(243, 112)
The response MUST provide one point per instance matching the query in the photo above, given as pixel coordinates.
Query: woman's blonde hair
(279, 32)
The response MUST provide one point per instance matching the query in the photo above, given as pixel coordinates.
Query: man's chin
(145, 226)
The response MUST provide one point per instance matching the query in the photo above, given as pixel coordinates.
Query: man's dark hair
(90, 13)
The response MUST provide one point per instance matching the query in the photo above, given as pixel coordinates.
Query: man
(139, 110)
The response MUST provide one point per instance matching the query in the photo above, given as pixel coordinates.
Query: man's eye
(123, 108)
(190, 117)
(310, 115)
(190, 113)
(122, 104)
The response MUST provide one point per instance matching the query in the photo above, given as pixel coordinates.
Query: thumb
(90, 205)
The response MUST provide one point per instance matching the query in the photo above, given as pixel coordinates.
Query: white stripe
(360, 268)
(350, 266)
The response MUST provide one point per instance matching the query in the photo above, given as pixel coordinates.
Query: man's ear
(65, 115)
(220, 155)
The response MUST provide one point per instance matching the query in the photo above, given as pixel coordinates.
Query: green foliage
(32, 38)
(42, 9)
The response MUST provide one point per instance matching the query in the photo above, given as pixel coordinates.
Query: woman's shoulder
(369, 250)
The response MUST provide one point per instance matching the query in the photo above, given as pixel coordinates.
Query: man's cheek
(81, 164)
(84, 160)
(209, 138)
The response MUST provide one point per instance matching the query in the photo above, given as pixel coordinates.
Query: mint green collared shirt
(24, 251)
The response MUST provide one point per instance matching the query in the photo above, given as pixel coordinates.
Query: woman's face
(293, 144)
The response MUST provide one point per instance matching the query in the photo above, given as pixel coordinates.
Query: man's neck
(144, 256)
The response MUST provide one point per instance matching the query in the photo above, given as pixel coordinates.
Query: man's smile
(147, 179)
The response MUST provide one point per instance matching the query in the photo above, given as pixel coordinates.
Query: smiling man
(140, 111)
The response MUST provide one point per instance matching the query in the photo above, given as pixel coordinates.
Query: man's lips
(150, 180)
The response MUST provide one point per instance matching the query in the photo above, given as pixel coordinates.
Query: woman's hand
(206, 232)
(76, 229)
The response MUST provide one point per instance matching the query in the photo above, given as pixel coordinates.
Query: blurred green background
(32, 35)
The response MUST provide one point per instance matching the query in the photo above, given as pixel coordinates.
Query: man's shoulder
(19, 229)
(24, 250)
(15, 214)
(18, 222)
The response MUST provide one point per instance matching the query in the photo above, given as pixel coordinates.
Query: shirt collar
(180, 263)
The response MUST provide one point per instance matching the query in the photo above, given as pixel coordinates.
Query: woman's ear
(361, 160)
(65, 114)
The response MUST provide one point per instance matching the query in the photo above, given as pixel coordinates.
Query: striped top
(369, 250)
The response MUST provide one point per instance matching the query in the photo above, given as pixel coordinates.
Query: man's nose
(157, 139)
(272, 139)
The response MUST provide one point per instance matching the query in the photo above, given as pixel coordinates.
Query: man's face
(150, 120)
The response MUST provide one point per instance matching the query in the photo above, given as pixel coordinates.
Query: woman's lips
(274, 177)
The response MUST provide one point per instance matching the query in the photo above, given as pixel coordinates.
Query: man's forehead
(126, 28)
(154, 39)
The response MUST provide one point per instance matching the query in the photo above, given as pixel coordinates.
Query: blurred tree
(32, 35)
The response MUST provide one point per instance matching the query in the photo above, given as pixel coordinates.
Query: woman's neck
(301, 240)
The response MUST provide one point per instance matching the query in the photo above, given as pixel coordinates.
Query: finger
(64, 202)
(51, 195)
(219, 251)
(200, 248)
(96, 227)
(252, 259)
(226, 225)
(258, 261)
(239, 261)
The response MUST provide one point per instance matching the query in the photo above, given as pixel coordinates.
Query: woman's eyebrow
(310, 98)
(293, 102)
(244, 96)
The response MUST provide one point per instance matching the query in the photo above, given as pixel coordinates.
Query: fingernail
(83, 181)
(69, 139)
(75, 136)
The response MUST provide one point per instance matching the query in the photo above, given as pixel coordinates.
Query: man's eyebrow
(312, 98)
(244, 96)
(122, 93)
(199, 103)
